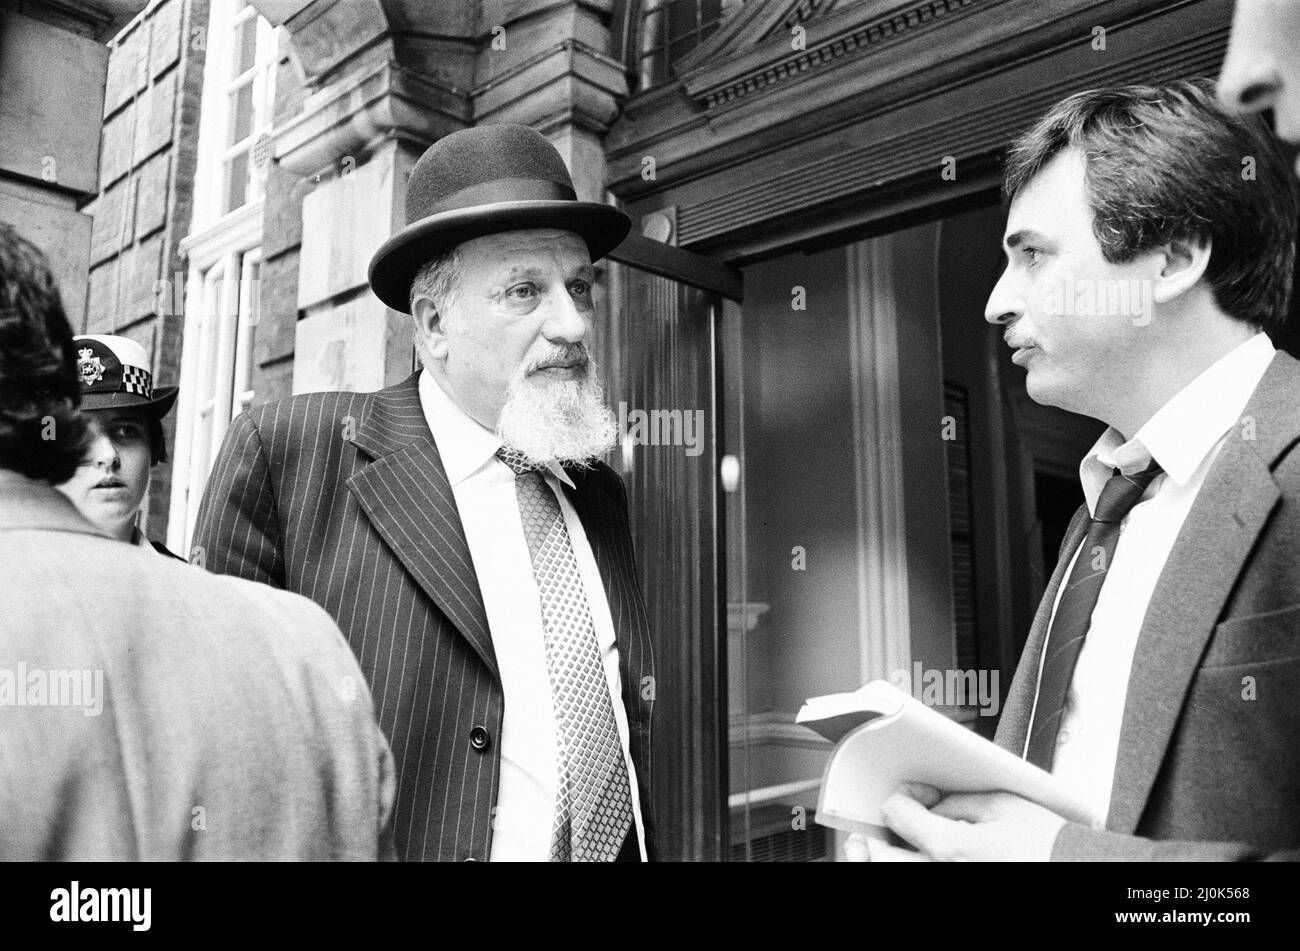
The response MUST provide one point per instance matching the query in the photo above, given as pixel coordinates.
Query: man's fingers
(925, 795)
(882, 851)
(915, 823)
(967, 807)
(856, 848)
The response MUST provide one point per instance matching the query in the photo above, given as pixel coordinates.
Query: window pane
(246, 330)
(793, 625)
(236, 181)
(207, 342)
(245, 45)
(241, 114)
(672, 28)
(202, 441)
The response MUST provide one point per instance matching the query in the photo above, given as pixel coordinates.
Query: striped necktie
(1074, 611)
(593, 807)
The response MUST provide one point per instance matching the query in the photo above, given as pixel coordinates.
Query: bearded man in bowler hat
(460, 528)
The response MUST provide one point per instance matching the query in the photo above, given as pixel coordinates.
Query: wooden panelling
(978, 119)
(852, 144)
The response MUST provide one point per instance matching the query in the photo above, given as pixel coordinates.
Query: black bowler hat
(115, 374)
(482, 181)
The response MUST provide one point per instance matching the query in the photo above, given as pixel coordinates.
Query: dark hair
(153, 427)
(157, 445)
(41, 434)
(1167, 163)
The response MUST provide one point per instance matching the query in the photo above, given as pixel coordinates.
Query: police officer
(125, 414)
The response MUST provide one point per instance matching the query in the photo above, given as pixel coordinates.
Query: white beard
(557, 421)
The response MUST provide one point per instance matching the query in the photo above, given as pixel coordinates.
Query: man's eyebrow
(1024, 235)
(525, 270)
(514, 272)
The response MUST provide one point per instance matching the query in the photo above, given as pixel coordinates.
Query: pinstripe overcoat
(342, 497)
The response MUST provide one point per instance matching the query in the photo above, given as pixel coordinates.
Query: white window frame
(220, 315)
(216, 117)
(217, 357)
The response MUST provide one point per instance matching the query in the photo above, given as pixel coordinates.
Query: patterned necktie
(593, 805)
(1074, 611)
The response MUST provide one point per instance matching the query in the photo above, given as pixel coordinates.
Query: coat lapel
(1230, 511)
(407, 497)
(604, 519)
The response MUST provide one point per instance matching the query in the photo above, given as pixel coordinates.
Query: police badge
(90, 368)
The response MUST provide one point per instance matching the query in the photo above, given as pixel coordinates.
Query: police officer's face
(111, 482)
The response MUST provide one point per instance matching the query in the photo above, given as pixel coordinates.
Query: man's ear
(429, 325)
(1183, 263)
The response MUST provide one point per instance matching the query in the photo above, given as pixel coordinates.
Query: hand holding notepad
(884, 738)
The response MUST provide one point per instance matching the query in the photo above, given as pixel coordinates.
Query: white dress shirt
(1184, 437)
(484, 488)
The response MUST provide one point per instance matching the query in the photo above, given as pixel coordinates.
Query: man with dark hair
(41, 434)
(149, 710)
(1150, 241)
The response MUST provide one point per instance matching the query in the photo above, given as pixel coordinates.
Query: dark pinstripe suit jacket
(342, 497)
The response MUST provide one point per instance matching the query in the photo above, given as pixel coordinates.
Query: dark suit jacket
(342, 497)
(1209, 752)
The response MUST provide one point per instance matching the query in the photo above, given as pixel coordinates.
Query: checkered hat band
(137, 381)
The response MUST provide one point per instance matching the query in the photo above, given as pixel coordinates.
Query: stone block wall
(148, 150)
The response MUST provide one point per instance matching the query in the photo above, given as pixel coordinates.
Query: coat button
(480, 738)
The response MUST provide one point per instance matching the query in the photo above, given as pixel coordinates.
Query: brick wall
(147, 157)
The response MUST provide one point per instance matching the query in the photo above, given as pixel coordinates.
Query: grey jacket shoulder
(204, 690)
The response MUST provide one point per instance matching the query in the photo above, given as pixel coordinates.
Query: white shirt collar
(464, 444)
(1183, 432)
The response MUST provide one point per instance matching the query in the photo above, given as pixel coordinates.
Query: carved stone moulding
(964, 123)
(569, 78)
(352, 119)
(720, 85)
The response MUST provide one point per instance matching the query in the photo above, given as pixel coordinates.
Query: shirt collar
(464, 444)
(1183, 432)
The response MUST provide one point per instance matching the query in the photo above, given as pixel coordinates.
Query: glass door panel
(656, 343)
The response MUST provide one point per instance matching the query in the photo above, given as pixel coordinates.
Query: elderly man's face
(1262, 68)
(511, 349)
